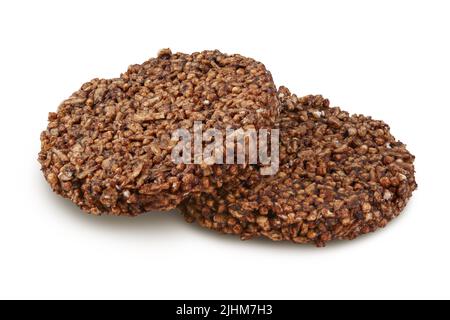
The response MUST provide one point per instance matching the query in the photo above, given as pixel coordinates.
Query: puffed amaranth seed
(108, 147)
(340, 176)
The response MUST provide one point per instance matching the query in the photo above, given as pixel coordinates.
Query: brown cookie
(108, 147)
(340, 176)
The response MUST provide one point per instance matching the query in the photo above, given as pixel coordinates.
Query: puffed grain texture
(108, 147)
(340, 177)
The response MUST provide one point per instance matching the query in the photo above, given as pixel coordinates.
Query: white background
(388, 59)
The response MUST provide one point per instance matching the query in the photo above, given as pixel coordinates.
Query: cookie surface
(108, 147)
(340, 176)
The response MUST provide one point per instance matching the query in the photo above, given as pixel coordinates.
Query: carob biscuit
(108, 147)
(340, 176)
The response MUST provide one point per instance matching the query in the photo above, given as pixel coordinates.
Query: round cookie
(340, 176)
(108, 147)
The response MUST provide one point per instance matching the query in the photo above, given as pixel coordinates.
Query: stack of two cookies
(110, 149)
